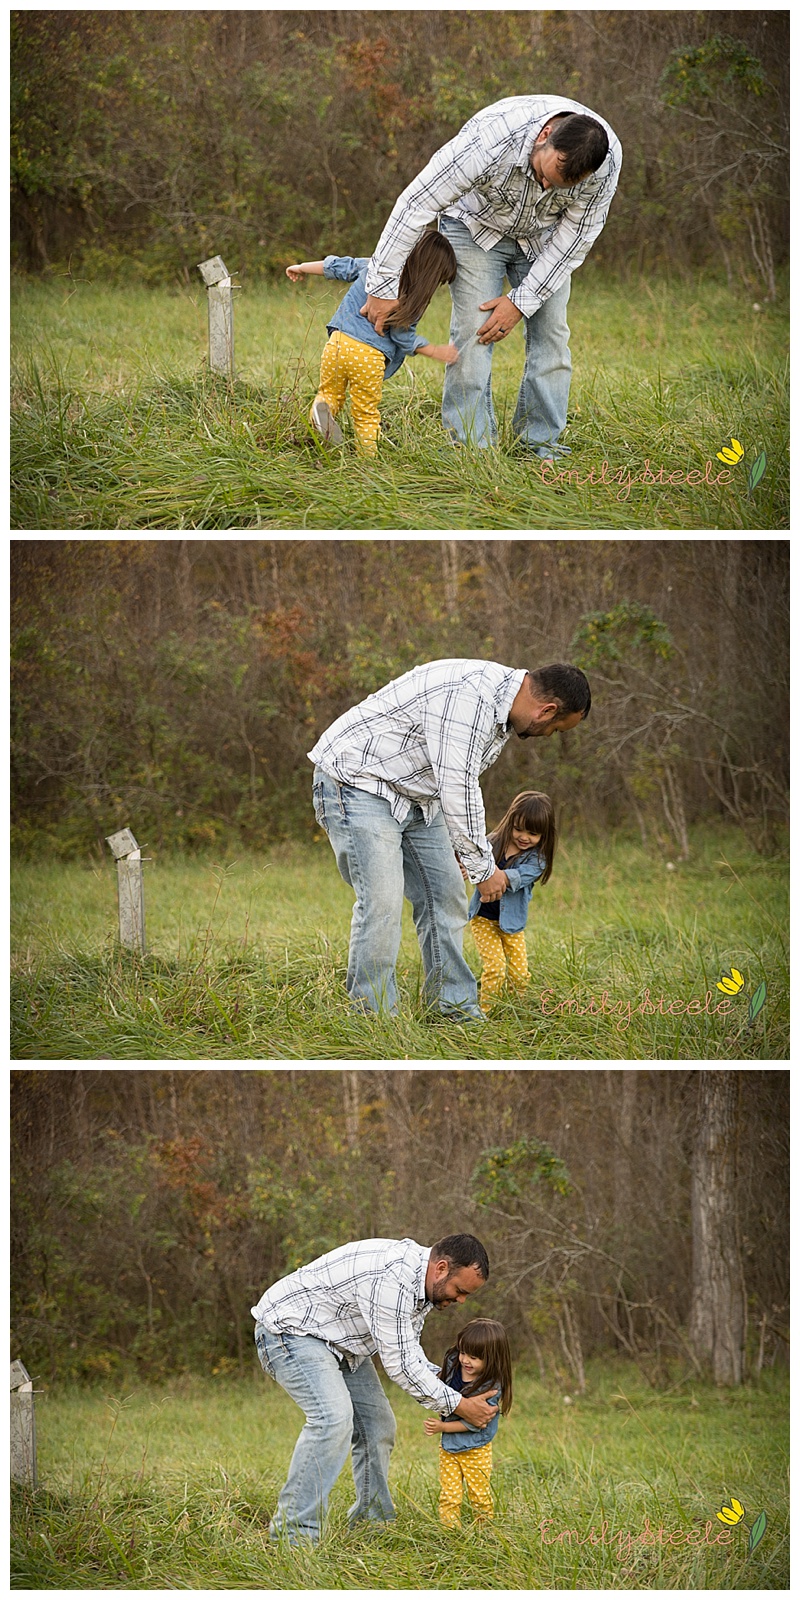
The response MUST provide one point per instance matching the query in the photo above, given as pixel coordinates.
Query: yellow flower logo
(733, 455)
(731, 983)
(731, 1515)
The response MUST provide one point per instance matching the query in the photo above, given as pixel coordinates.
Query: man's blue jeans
(467, 410)
(383, 860)
(345, 1411)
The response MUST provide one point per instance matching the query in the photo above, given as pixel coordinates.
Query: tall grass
(173, 1488)
(247, 961)
(118, 424)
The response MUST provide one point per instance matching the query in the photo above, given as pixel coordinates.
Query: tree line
(640, 1213)
(176, 685)
(144, 141)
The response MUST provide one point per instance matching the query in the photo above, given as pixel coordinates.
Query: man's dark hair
(568, 686)
(582, 144)
(462, 1250)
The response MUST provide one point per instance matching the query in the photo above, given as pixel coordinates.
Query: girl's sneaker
(323, 420)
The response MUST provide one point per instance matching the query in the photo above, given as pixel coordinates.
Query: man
(396, 790)
(316, 1332)
(521, 192)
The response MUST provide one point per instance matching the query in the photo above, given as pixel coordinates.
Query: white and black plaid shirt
(364, 1299)
(484, 178)
(425, 738)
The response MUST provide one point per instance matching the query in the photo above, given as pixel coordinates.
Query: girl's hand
(432, 1425)
(450, 354)
(295, 273)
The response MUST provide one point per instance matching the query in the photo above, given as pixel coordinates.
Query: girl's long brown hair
(487, 1341)
(431, 263)
(531, 812)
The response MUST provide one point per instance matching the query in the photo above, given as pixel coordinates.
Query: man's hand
(479, 1409)
(505, 316)
(493, 888)
(377, 310)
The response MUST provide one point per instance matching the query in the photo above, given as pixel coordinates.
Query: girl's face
(471, 1367)
(525, 840)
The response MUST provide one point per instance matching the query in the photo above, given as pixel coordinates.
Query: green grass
(118, 425)
(247, 961)
(172, 1488)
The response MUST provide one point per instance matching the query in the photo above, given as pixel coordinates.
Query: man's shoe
(323, 420)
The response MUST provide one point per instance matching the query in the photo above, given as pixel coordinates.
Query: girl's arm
(528, 871)
(435, 1425)
(299, 271)
(437, 352)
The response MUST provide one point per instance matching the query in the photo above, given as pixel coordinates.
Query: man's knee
(388, 1427)
(334, 1421)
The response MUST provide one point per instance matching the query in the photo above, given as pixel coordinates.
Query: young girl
(356, 354)
(524, 843)
(478, 1362)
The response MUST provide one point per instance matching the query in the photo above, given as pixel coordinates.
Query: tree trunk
(718, 1314)
(350, 1088)
(450, 575)
(625, 1085)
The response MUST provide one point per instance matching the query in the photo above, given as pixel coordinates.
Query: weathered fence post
(23, 1427)
(217, 280)
(130, 888)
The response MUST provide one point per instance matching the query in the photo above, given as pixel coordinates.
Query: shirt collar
(528, 144)
(506, 699)
(425, 1255)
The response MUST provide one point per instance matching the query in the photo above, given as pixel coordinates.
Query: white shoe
(323, 420)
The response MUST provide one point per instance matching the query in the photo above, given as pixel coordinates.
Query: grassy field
(172, 1488)
(246, 960)
(117, 424)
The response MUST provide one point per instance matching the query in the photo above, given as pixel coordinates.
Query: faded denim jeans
(467, 408)
(383, 860)
(345, 1411)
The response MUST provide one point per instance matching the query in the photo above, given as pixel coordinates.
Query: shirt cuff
(526, 300)
(382, 287)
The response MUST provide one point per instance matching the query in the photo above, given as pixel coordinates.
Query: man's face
(538, 719)
(548, 164)
(449, 1286)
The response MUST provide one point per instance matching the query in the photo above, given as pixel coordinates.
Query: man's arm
(569, 243)
(452, 171)
(386, 1305)
(458, 721)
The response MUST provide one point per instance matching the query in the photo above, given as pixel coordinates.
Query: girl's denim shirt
(475, 1437)
(395, 343)
(527, 867)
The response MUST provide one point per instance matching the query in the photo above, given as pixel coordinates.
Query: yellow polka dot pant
(470, 1467)
(503, 956)
(346, 363)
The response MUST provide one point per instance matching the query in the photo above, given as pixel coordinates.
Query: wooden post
(23, 1427)
(130, 887)
(217, 280)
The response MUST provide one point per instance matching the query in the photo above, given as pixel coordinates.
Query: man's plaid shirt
(484, 178)
(426, 738)
(364, 1299)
